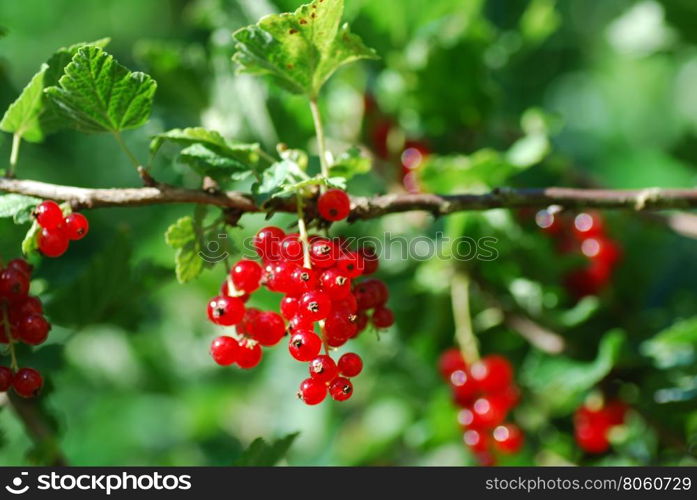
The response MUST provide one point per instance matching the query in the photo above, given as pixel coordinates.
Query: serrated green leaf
(674, 346)
(97, 94)
(448, 174)
(17, 206)
(300, 50)
(31, 115)
(350, 163)
(273, 180)
(184, 236)
(560, 382)
(30, 243)
(180, 233)
(261, 454)
(209, 154)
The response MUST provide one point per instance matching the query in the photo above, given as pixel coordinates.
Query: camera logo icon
(16, 487)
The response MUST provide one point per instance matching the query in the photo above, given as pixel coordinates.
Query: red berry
(48, 215)
(5, 378)
(340, 389)
(25, 307)
(370, 260)
(267, 242)
(336, 284)
(464, 387)
(14, 284)
(21, 265)
(361, 321)
(33, 329)
(289, 306)
(323, 368)
(315, 306)
(370, 293)
(508, 438)
(492, 373)
(53, 242)
(323, 253)
(249, 354)
(592, 439)
(334, 205)
(291, 249)
(347, 305)
(383, 317)
(27, 382)
(76, 226)
(224, 350)
(300, 323)
(225, 311)
(312, 391)
(615, 412)
(588, 225)
(350, 364)
(246, 275)
(304, 345)
(351, 264)
(280, 277)
(488, 412)
(302, 280)
(249, 314)
(475, 440)
(451, 360)
(267, 328)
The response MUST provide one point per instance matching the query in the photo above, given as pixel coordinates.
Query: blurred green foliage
(528, 93)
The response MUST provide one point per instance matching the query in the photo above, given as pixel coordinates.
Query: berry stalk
(302, 229)
(321, 145)
(464, 334)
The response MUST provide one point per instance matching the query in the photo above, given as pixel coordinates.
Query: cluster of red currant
(592, 424)
(22, 321)
(321, 305)
(486, 393)
(57, 229)
(583, 234)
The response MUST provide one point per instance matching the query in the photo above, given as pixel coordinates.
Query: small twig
(321, 145)
(539, 336)
(464, 334)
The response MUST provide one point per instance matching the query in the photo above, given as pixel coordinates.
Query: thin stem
(464, 334)
(10, 340)
(14, 154)
(267, 156)
(319, 130)
(302, 229)
(124, 148)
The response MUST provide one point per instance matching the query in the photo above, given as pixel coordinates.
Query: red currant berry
(33, 330)
(383, 317)
(246, 275)
(464, 388)
(300, 323)
(323, 253)
(312, 391)
(304, 345)
(347, 305)
(280, 277)
(615, 412)
(475, 440)
(14, 285)
(302, 280)
(451, 360)
(25, 307)
(289, 306)
(350, 364)
(76, 226)
(323, 368)
(361, 321)
(508, 438)
(370, 293)
(5, 378)
(292, 249)
(315, 305)
(335, 284)
(492, 373)
(488, 411)
(225, 311)
(334, 205)
(249, 354)
(249, 314)
(224, 350)
(53, 242)
(588, 225)
(48, 215)
(351, 264)
(267, 242)
(340, 389)
(592, 439)
(267, 328)
(370, 260)
(27, 382)
(339, 328)
(21, 265)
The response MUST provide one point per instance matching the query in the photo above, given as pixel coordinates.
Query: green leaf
(674, 346)
(209, 154)
(299, 50)
(17, 206)
(184, 236)
(97, 94)
(560, 382)
(483, 169)
(31, 115)
(351, 163)
(262, 454)
(30, 243)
